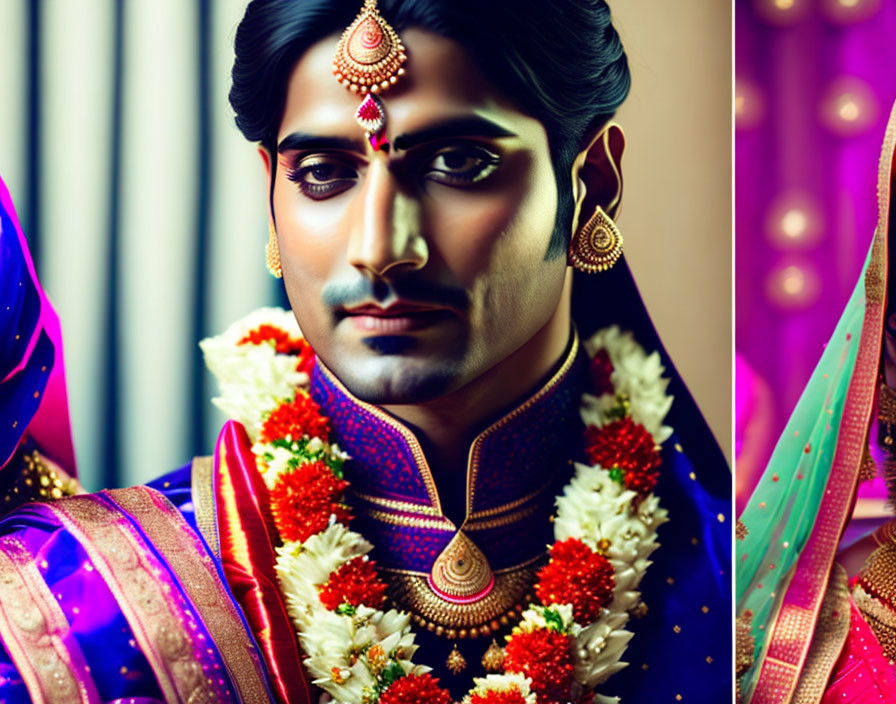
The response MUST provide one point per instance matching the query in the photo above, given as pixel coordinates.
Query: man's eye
(459, 166)
(321, 178)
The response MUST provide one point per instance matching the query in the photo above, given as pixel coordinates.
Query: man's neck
(449, 424)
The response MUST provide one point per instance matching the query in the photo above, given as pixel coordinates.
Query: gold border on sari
(174, 539)
(202, 488)
(124, 562)
(32, 625)
(792, 631)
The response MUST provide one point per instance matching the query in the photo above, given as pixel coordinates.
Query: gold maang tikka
(369, 60)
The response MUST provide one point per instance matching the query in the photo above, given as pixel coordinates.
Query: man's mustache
(407, 289)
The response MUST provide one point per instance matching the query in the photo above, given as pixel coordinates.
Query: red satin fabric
(248, 538)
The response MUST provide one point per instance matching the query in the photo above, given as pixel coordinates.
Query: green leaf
(554, 620)
(346, 609)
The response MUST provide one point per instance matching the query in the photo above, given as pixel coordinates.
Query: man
(424, 231)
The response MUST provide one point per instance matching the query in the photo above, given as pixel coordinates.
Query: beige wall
(676, 217)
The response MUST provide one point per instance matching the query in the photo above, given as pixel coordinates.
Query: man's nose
(386, 232)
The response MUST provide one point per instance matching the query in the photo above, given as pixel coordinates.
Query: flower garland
(605, 529)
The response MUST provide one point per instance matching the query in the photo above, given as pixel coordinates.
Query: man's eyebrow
(473, 126)
(308, 142)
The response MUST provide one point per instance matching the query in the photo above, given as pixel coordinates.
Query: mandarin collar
(515, 466)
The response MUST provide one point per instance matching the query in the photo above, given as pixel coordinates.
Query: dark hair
(561, 61)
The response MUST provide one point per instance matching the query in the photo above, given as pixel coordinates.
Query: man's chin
(395, 379)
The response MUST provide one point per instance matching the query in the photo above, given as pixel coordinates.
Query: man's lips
(395, 318)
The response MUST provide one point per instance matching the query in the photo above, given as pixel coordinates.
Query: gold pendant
(493, 660)
(456, 663)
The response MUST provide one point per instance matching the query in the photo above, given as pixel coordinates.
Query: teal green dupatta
(788, 534)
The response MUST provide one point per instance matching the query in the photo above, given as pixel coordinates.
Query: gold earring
(597, 245)
(272, 253)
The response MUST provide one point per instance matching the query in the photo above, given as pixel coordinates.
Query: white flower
(253, 379)
(343, 642)
(302, 568)
(598, 511)
(637, 375)
(592, 508)
(272, 461)
(510, 682)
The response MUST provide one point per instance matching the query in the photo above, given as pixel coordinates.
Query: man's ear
(597, 175)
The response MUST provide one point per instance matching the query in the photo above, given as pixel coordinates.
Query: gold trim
(476, 447)
(123, 561)
(172, 536)
(396, 505)
(413, 593)
(32, 626)
(885, 171)
(502, 520)
(486, 513)
(411, 440)
(413, 522)
(202, 488)
(503, 570)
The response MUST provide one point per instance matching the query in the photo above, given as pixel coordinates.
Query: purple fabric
(119, 668)
(814, 84)
(526, 456)
(32, 379)
(99, 628)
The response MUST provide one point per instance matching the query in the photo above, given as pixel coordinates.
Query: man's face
(413, 272)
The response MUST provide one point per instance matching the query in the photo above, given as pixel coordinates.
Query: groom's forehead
(442, 83)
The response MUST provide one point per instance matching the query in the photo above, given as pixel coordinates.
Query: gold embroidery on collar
(397, 505)
(476, 448)
(502, 521)
(486, 513)
(411, 440)
(412, 521)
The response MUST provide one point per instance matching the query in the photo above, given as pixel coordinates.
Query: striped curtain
(144, 208)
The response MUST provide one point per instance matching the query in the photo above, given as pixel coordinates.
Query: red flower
(302, 501)
(544, 657)
(508, 696)
(354, 583)
(301, 417)
(283, 344)
(415, 689)
(601, 368)
(579, 576)
(625, 445)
